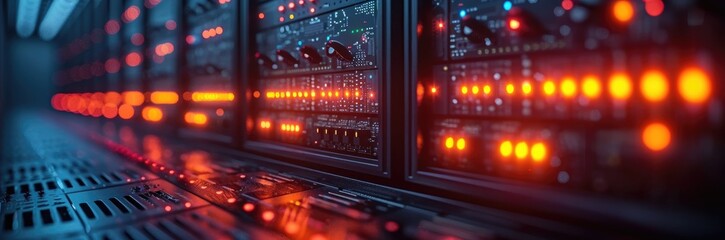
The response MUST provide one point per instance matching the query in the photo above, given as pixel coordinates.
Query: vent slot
(67, 183)
(38, 187)
(174, 230)
(119, 205)
(198, 233)
(25, 188)
(134, 234)
(46, 216)
(115, 177)
(10, 190)
(51, 185)
(80, 182)
(155, 233)
(64, 214)
(28, 219)
(92, 180)
(134, 202)
(87, 210)
(8, 221)
(104, 178)
(103, 207)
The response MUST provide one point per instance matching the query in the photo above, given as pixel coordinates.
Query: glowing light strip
(27, 17)
(57, 15)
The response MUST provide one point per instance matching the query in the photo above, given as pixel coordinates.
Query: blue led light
(299, 43)
(507, 5)
(462, 13)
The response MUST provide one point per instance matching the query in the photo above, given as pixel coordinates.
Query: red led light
(291, 5)
(170, 25)
(268, 216)
(137, 39)
(280, 8)
(112, 65)
(567, 4)
(133, 59)
(654, 7)
(248, 207)
(131, 14)
(391, 226)
(112, 27)
(260, 15)
(190, 39)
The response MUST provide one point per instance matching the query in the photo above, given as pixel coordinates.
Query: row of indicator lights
(212, 32)
(623, 11)
(132, 59)
(451, 143)
(196, 118)
(693, 85)
(521, 150)
(312, 94)
(249, 207)
(291, 5)
(212, 97)
(356, 133)
(113, 104)
(285, 127)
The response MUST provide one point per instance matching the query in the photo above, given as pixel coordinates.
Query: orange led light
(164, 97)
(126, 111)
(521, 150)
(109, 110)
(248, 207)
(268, 216)
(591, 87)
(152, 114)
(656, 136)
(449, 142)
(506, 148)
(694, 85)
(623, 11)
(620, 86)
(265, 124)
(486, 89)
(133, 98)
(195, 118)
(214, 96)
(461, 144)
(433, 90)
(549, 88)
(654, 86)
(514, 24)
(568, 87)
(475, 90)
(538, 152)
(526, 88)
(464, 90)
(510, 88)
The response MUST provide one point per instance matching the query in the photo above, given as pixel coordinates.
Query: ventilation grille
(75, 183)
(28, 172)
(205, 223)
(128, 203)
(36, 215)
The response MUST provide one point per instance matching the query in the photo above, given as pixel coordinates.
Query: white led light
(58, 13)
(27, 17)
